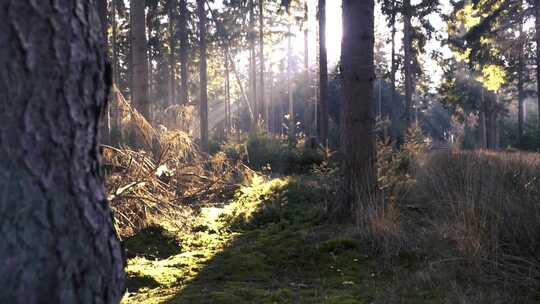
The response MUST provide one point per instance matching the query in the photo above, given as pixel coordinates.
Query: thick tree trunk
(358, 76)
(184, 47)
(537, 11)
(262, 96)
(140, 63)
(203, 98)
(58, 241)
(408, 58)
(323, 76)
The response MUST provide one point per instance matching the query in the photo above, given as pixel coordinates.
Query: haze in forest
(270, 151)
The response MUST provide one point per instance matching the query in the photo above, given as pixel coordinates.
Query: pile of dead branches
(144, 188)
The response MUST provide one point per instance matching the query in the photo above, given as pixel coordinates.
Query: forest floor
(269, 244)
(273, 241)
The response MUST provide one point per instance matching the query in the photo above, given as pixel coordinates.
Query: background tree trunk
(203, 98)
(323, 76)
(408, 65)
(521, 80)
(307, 104)
(252, 63)
(184, 47)
(358, 76)
(140, 62)
(292, 124)
(172, 55)
(262, 96)
(58, 245)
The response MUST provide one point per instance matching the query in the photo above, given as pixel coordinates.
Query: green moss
(153, 242)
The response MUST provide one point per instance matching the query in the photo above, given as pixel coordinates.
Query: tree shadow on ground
(282, 252)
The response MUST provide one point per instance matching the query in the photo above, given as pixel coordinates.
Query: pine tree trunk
(58, 241)
(521, 93)
(393, 71)
(358, 76)
(105, 122)
(292, 124)
(140, 62)
(323, 76)
(408, 58)
(172, 55)
(228, 94)
(262, 101)
(537, 25)
(203, 98)
(184, 47)
(307, 108)
(252, 62)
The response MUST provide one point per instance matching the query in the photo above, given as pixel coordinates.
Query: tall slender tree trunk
(172, 54)
(323, 76)
(105, 123)
(307, 107)
(521, 92)
(358, 76)
(184, 47)
(227, 93)
(203, 98)
(115, 66)
(58, 241)
(262, 96)
(139, 62)
(482, 119)
(292, 124)
(393, 71)
(408, 64)
(252, 63)
(150, 57)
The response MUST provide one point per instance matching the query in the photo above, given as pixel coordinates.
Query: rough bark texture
(323, 76)
(58, 242)
(140, 62)
(358, 76)
(203, 98)
(184, 47)
(408, 58)
(537, 11)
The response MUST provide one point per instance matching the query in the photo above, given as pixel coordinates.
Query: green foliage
(266, 152)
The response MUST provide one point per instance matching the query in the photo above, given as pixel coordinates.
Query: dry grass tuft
(488, 205)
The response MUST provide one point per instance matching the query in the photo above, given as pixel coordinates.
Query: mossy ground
(271, 244)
